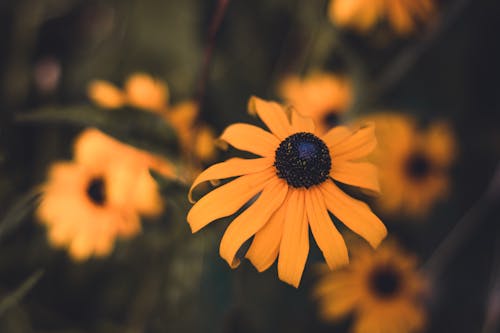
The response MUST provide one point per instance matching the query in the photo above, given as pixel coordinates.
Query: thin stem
(408, 57)
(464, 228)
(209, 49)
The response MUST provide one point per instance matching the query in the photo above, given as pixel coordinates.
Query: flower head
(414, 163)
(324, 97)
(291, 182)
(141, 91)
(402, 15)
(382, 288)
(88, 203)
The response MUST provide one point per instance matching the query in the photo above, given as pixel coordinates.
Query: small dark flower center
(96, 191)
(331, 118)
(303, 160)
(418, 166)
(385, 281)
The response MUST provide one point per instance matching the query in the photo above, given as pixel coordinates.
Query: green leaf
(19, 212)
(141, 129)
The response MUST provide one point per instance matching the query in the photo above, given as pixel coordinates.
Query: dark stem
(209, 49)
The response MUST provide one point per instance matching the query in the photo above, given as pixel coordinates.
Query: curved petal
(294, 246)
(250, 138)
(266, 244)
(359, 144)
(354, 214)
(252, 220)
(227, 199)
(272, 114)
(364, 175)
(327, 237)
(231, 168)
(336, 135)
(301, 123)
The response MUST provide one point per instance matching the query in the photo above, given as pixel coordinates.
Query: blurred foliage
(167, 280)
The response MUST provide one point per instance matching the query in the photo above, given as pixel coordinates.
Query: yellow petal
(252, 220)
(358, 145)
(105, 94)
(230, 168)
(227, 199)
(327, 237)
(145, 92)
(301, 123)
(272, 114)
(336, 135)
(251, 138)
(266, 244)
(364, 175)
(354, 214)
(294, 246)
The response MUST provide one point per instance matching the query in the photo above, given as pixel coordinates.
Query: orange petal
(294, 246)
(354, 214)
(272, 114)
(359, 144)
(230, 168)
(327, 237)
(227, 199)
(364, 175)
(252, 220)
(251, 138)
(336, 135)
(301, 123)
(266, 244)
(105, 94)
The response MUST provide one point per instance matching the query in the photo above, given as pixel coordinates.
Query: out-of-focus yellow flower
(292, 183)
(106, 95)
(413, 163)
(145, 92)
(197, 139)
(88, 203)
(362, 15)
(324, 97)
(382, 288)
(141, 91)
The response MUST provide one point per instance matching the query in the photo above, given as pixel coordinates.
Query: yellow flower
(194, 139)
(413, 163)
(141, 91)
(321, 96)
(382, 288)
(292, 188)
(362, 15)
(144, 92)
(88, 203)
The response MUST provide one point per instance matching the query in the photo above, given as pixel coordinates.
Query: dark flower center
(418, 166)
(385, 281)
(96, 191)
(331, 118)
(303, 160)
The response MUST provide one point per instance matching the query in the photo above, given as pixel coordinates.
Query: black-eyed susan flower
(141, 91)
(414, 163)
(362, 15)
(382, 289)
(324, 97)
(88, 203)
(147, 93)
(291, 182)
